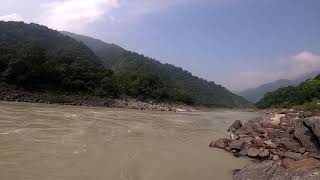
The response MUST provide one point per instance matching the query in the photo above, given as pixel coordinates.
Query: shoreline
(9, 95)
(282, 144)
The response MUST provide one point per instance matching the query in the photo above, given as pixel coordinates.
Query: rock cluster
(285, 145)
(50, 98)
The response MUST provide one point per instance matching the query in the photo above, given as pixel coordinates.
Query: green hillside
(305, 96)
(200, 90)
(36, 58)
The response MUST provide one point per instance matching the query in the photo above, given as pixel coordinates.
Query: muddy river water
(54, 142)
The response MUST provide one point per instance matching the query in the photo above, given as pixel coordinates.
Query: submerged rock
(220, 143)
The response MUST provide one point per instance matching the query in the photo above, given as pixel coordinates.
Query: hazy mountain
(305, 96)
(201, 91)
(255, 94)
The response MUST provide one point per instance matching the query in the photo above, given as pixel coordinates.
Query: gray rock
(302, 165)
(235, 126)
(272, 170)
(289, 144)
(305, 137)
(294, 156)
(314, 124)
(243, 152)
(253, 152)
(220, 143)
(237, 144)
(264, 154)
(257, 171)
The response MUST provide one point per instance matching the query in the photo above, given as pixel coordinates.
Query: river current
(55, 142)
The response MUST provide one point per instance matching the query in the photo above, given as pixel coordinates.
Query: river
(54, 142)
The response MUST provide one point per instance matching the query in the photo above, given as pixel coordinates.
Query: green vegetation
(199, 91)
(36, 58)
(306, 96)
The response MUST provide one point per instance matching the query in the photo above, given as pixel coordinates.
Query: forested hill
(305, 96)
(35, 58)
(201, 91)
(255, 94)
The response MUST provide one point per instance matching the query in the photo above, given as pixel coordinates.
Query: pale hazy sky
(237, 43)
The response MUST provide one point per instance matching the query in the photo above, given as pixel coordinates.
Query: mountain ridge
(37, 59)
(257, 93)
(206, 92)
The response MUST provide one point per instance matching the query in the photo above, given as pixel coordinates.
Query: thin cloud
(78, 15)
(11, 17)
(75, 14)
(288, 68)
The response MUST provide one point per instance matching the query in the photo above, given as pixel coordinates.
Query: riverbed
(55, 142)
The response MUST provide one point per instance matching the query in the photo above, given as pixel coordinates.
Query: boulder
(256, 127)
(257, 142)
(302, 165)
(243, 152)
(253, 152)
(272, 170)
(294, 156)
(314, 124)
(257, 171)
(270, 144)
(306, 114)
(289, 144)
(236, 144)
(220, 143)
(235, 126)
(264, 154)
(305, 137)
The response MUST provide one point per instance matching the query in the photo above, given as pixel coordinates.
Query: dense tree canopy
(306, 95)
(35, 57)
(200, 91)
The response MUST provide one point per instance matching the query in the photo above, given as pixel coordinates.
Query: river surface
(54, 142)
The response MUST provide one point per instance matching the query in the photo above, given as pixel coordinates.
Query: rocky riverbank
(282, 144)
(78, 100)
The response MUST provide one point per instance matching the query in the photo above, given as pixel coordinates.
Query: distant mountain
(200, 90)
(255, 94)
(305, 96)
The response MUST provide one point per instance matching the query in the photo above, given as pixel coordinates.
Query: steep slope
(18, 37)
(109, 52)
(36, 58)
(201, 91)
(255, 94)
(306, 95)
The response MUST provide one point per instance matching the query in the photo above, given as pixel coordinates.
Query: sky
(237, 43)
